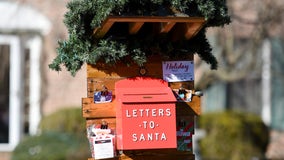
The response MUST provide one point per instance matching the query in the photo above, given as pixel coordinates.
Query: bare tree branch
(239, 57)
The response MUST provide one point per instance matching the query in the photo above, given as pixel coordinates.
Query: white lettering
(187, 141)
(127, 114)
(176, 66)
(160, 112)
(134, 112)
(149, 137)
(152, 124)
(134, 137)
(163, 137)
(181, 133)
(144, 124)
(141, 112)
(168, 112)
(154, 112)
(157, 136)
(142, 138)
(147, 112)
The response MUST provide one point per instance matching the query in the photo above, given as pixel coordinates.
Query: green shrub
(63, 137)
(233, 135)
(65, 120)
(52, 146)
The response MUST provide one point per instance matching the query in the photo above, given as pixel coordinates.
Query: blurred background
(242, 107)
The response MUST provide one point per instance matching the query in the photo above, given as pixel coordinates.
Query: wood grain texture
(101, 110)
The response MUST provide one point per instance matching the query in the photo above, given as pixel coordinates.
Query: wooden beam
(192, 29)
(192, 24)
(166, 26)
(134, 27)
(101, 32)
(154, 19)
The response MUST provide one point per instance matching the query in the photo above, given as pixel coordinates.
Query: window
(11, 93)
(4, 93)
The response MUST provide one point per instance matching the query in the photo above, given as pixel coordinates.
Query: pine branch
(85, 15)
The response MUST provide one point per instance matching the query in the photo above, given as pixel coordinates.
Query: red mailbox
(146, 115)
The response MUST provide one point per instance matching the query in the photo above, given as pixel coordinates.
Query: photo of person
(103, 96)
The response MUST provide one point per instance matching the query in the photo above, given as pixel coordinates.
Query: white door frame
(16, 92)
(34, 43)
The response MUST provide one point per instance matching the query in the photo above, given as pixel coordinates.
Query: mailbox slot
(146, 95)
(145, 114)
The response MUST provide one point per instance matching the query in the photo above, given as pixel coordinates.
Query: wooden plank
(95, 84)
(111, 122)
(101, 110)
(189, 108)
(100, 32)
(186, 84)
(121, 70)
(192, 29)
(166, 27)
(154, 19)
(104, 110)
(134, 27)
(186, 30)
(154, 155)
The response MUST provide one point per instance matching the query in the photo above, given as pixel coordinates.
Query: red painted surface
(146, 116)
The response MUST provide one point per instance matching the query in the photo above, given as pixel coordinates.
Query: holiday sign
(177, 71)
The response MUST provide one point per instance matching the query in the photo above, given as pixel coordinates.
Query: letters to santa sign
(146, 117)
(178, 71)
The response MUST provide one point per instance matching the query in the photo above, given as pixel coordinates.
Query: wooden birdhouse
(141, 102)
(153, 106)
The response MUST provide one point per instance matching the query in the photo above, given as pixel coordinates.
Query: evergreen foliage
(85, 15)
